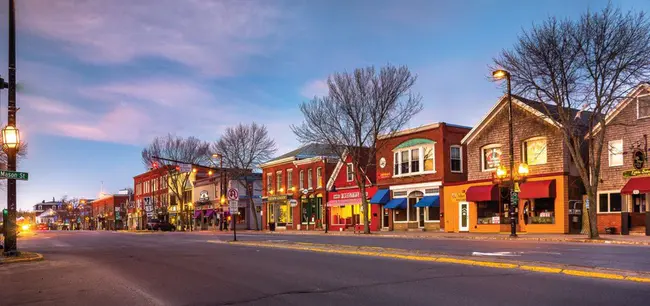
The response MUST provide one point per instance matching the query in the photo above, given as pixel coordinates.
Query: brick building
(549, 189)
(294, 190)
(413, 166)
(624, 173)
(109, 211)
(150, 187)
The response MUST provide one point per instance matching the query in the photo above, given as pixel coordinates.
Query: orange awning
(638, 184)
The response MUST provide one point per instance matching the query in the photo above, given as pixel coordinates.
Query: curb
(461, 237)
(9, 260)
(610, 274)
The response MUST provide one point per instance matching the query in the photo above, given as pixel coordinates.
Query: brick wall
(525, 126)
(627, 127)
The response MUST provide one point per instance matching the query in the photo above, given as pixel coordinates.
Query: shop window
(490, 157)
(643, 106)
(639, 203)
(535, 151)
(609, 202)
(309, 179)
(405, 162)
(400, 214)
(289, 179)
(615, 150)
(456, 158)
(488, 212)
(311, 210)
(301, 181)
(542, 211)
(319, 177)
(433, 214)
(350, 172)
(340, 215)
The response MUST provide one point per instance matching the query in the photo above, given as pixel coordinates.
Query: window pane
(396, 164)
(350, 173)
(491, 158)
(603, 203)
(488, 213)
(400, 214)
(319, 177)
(433, 214)
(615, 202)
(405, 161)
(536, 152)
(616, 153)
(302, 179)
(428, 159)
(289, 180)
(309, 178)
(415, 160)
(644, 106)
(541, 211)
(456, 159)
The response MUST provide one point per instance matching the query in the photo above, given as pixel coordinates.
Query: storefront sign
(203, 196)
(348, 195)
(382, 162)
(459, 196)
(277, 198)
(384, 175)
(638, 159)
(630, 173)
(293, 203)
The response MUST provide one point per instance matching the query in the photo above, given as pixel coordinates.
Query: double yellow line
(395, 254)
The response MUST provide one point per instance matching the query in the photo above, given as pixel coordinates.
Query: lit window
(269, 182)
(301, 182)
(535, 151)
(319, 177)
(309, 179)
(289, 179)
(456, 158)
(491, 157)
(615, 149)
(278, 177)
(643, 107)
(350, 172)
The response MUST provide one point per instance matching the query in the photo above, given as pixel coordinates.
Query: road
(109, 268)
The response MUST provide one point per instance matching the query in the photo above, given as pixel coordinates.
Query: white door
(463, 216)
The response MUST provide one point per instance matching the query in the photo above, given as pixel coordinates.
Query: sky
(100, 79)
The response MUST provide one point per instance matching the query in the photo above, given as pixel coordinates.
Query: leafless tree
(243, 148)
(582, 69)
(359, 107)
(21, 154)
(168, 152)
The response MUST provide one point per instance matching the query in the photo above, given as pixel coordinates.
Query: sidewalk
(604, 239)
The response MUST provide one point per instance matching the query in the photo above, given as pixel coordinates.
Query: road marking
(541, 269)
(277, 240)
(494, 254)
(594, 274)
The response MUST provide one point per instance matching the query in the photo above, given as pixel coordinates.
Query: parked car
(157, 225)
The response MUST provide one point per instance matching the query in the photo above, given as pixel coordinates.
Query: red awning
(638, 184)
(482, 193)
(537, 189)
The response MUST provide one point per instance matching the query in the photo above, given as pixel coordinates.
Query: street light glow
(501, 171)
(500, 74)
(10, 137)
(523, 169)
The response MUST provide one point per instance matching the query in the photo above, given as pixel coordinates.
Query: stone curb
(603, 273)
(461, 237)
(9, 260)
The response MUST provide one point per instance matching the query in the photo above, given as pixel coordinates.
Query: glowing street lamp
(10, 137)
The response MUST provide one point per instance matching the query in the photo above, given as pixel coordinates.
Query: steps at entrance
(637, 230)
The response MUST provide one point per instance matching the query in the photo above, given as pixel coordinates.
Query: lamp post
(11, 138)
(514, 196)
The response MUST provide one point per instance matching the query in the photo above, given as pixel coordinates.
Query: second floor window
(490, 157)
(414, 161)
(535, 151)
(278, 177)
(350, 172)
(309, 179)
(643, 106)
(319, 177)
(615, 148)
(301, 181)
(289, 179)
(269, 182)
(456, 158)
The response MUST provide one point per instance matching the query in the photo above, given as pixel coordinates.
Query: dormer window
(643, 106)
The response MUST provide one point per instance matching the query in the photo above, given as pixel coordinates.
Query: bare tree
(581, 70)
(168, 152)
(243, 148)
(21, 154)
(359, 108)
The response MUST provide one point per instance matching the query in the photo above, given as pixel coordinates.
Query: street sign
(14, 175)
(293, 203)
(185, 168)
(233, 194)
(233, 205)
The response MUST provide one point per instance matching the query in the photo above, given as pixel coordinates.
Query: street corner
(21, 258)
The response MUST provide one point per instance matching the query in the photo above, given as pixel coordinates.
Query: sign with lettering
(203, 196)
(630, 173)
(14, 175)
(384, 175)
(277, 198)
(459, 196)
(639, 159)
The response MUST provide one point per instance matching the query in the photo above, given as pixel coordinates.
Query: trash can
(272, 226)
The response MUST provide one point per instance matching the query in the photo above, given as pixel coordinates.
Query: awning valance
(197, 214)
(430, 201)
(637, 185)
(482, 193)
(381, 197)
(343, 202)
(537, 190)
(396, 203)
(209, 213)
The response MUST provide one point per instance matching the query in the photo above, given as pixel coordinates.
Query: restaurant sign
(459, 196)
(277, 198)
(638, 159)
(348, 195)
(635, 172)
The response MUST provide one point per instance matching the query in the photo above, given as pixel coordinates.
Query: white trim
(609, 202)
(417, 185)
(490, 146)
(277, 162)
(524, 149)
(420, 148)
(637, 107)
(610, 153)
(461, 158)
(347, 179)
(335, 172)
(609, 117)
(410, 131)
(309, 160)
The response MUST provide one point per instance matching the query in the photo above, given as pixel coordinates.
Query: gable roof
(306, 151)
(536, 108)
(337, 170)
(631, 97)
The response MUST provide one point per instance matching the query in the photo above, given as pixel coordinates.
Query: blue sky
(102, 78)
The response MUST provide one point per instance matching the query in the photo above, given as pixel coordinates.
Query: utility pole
(11, 248)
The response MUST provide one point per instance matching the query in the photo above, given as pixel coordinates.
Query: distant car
(157, 225)
(42, 227)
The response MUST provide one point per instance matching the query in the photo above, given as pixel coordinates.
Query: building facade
(294, 188)
(624, 188)
(413, 166)
(547, 192)
(151, 198)
(110, 211)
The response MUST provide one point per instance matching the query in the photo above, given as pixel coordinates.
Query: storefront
(346, 212)
(311, 212)
(415, 206)
(484, 206)
(279, 212)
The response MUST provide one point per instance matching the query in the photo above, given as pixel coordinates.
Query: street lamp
(514, 196)
(10, 137)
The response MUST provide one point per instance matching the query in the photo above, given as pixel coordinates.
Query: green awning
(414, 142)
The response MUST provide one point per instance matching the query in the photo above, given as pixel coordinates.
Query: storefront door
(463, 216)
(385, 218)
(421, 217)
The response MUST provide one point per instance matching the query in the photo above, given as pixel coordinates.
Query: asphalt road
(108, 268)
(624, 257)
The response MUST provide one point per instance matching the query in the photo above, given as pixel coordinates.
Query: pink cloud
(314, 88)
(211, 36)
